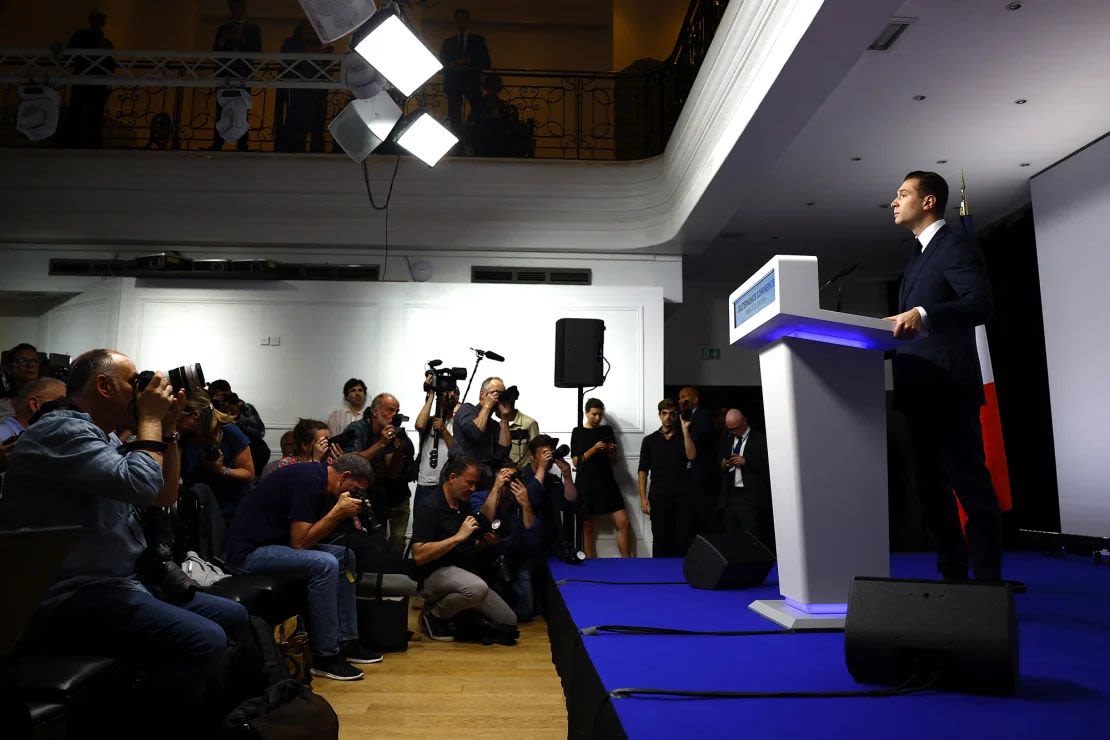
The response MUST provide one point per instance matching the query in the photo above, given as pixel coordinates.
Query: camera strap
(148, 445)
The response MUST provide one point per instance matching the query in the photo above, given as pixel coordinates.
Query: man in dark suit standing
(937, 382)
(464, 56)
(235, 35)
(746, 485)
(705, 474)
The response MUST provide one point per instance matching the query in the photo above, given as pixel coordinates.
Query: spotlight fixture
(856, 159)
(37, 117)
(1013, 6)
(333, 20)
(1025, 164)
(919, 98)
(235, 103)
(811, 203)
(1020, 101)
(390, 45)
(424, 137)
(363, 125)
(942, 161)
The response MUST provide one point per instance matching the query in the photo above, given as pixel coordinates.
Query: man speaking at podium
(945, 294)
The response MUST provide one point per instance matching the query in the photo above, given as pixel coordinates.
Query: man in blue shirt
(478, 435)
(68, 468)
(31, 397)
(279, 529)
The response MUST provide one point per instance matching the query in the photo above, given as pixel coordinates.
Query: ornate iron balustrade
(167, 100)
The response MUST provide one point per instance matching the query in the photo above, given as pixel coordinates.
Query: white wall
(1071, 206)
(384, 333)
(17, 329)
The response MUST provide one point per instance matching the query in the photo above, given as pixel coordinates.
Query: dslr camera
(559, 451)
(444, 378)
(344, 439)
(510, 395)
(366, 516)
(157, 569)
(187, 377)
(399, 419)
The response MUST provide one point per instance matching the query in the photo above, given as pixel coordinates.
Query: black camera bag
(383, 621)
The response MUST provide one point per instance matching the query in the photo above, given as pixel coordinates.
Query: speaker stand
(781, 613)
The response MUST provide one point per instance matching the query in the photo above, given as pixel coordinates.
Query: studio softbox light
(395, 51)
(363, 125)
(424, 137)
(334, 19)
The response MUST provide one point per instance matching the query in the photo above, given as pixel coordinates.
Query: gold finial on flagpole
(965, 209)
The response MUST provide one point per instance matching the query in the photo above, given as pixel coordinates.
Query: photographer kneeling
(279, 529)
(451, 553)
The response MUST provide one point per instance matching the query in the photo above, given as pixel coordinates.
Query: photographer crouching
(451, 552)
(98, 602)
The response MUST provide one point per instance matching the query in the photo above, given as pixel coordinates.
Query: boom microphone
(435, 363)
(489, 355)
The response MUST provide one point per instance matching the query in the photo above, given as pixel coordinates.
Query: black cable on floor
(630, 629)
(563, 581)
(911, 685)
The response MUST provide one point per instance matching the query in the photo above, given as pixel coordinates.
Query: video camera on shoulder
(189, 378)
(445, 378)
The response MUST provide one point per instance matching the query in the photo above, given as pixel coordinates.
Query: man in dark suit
(746, 484)
(937, 382)
(464, 56)
(705, 474)
(235, 35)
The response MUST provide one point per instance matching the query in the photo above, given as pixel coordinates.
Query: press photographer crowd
(171, 481)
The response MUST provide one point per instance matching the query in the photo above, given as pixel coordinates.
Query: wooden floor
(447, 689)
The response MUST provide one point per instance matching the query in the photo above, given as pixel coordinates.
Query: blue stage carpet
(1064, 623)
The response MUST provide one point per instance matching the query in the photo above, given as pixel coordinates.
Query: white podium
(824, 400)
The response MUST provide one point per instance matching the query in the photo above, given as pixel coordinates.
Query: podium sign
(824, 400)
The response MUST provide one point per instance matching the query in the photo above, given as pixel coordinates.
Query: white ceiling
(971, 59)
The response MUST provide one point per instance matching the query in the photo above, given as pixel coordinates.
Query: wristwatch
(172, 439)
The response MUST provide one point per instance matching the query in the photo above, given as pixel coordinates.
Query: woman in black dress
(593, 450)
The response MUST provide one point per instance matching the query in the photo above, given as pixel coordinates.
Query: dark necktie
(736, 446)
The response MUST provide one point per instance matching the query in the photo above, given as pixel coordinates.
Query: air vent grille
(531, 276)
(889, 35)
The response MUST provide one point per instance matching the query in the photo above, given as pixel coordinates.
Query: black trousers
(745, 513)
(670, 525)
(948, 454)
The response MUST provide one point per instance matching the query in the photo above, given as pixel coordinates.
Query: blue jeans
(332, 618)
(172, 647)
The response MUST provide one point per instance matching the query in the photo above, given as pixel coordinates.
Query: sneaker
(355, 652)
(334, 666)
(437, 629)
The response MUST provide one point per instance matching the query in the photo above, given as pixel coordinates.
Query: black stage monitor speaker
(579, 346)
(722, 561)
(964, 633)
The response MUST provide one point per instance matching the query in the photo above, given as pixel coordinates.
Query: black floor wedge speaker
(963, 634)
(579, 349)
(724, 561)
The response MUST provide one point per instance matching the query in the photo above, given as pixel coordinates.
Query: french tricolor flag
(992, 425)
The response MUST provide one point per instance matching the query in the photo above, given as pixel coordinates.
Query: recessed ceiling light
(856, 159)
(942, 161)
(1013, 6)
(1020, 101)
(1026, 164)
(811, 203)
(919, 98)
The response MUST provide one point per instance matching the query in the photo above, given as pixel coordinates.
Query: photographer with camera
(100, 487)
(216, 453)
(522, 428)
(665, 456)
(451, 553)
(30, 399)
(519, 529)
(551, 495)
(478, 436)
(379, 439)
(310, 444)
(435, 437)
(280, 529)
(246, 419)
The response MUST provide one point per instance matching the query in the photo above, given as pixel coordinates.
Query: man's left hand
(907, 324)
(520, 493)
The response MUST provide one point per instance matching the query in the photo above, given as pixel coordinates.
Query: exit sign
(711, 353)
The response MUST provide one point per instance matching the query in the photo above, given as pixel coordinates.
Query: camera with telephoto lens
(570, 554)
(187, 377)
(344, 439)
(445, 379)
(399, 419)
(509, 396)
(366, 516)
(157, 569)
(558, 451)
(486, 526)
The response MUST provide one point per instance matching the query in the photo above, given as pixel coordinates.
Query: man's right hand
(437, 424)
(502, 477)
(155, 400)
(347, 506)
(467, 529)
(645, 506)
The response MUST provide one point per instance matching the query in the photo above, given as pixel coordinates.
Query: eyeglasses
(25, 362)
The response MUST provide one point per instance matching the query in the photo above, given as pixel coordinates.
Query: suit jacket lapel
(917, 263)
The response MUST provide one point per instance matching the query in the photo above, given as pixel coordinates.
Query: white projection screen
(1071, 209)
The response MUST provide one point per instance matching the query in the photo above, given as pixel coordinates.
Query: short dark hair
(304, 433)
(219, 386)
(930, 183)
(352, 383)
(87, 366)
(458, 466)
(540, 440)
(667, 403)
(19, 348)
(594, 403)
(354, 464)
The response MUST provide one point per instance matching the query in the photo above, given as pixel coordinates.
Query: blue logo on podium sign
(754, 300)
